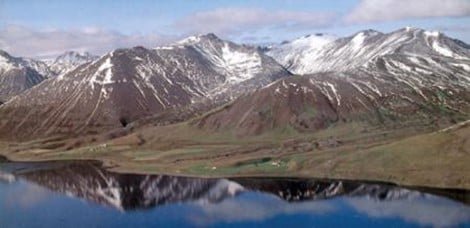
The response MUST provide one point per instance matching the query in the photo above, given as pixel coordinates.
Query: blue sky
(46, 28)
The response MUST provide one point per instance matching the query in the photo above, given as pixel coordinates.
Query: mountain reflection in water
(235, 200)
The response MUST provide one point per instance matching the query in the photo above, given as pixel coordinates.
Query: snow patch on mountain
(164, 48)
(357, 41)
(40, 67)
(107, 77)
(237, 63)
(240, 65)
(463, 66)
(303, 49)
(190, 40)
(432, 33)
(442, 50)
(5, 64)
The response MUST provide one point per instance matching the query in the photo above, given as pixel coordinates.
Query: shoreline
(111, 166)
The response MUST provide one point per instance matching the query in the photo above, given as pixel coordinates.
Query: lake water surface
(83, 194)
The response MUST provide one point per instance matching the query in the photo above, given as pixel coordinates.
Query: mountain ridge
(127, 84)
(407, 69)
(353, 51)
(369, 76)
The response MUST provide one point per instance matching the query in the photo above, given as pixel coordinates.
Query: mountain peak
(71, 55)
(69, 60)
(409, 29)
(139, 48)
(433, 33)
(210, 36)
(198, 38)
(189, 40)
(310, 41)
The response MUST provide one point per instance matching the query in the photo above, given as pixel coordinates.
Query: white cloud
(262, 207)
(389, 10)
(249, 23)
(425, 210)
(230, 21)
(24, 41)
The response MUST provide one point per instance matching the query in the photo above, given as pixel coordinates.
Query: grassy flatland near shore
(348, 151)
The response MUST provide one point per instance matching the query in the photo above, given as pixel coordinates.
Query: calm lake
(83, 194)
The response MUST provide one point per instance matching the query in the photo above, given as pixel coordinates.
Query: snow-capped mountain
(69, 61)
(244, 68)
(40, 66)
(127, 84)
(359, 49)
(404, 76)
(237, 62)
(18, 75)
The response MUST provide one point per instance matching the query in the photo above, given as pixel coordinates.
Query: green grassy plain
(345, 151)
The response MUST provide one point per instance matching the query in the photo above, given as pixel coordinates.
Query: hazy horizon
(48, 28)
